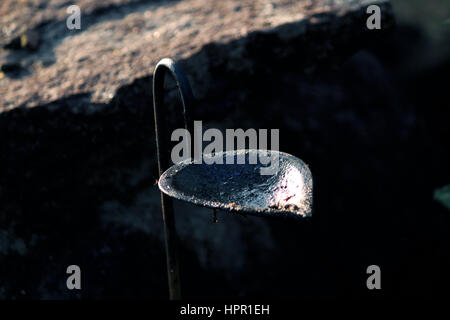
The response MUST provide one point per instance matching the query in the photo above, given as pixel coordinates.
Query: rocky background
(368, 111)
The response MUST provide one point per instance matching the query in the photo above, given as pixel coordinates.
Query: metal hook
(162, 144)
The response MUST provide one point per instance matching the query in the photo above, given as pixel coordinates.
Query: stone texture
(122, 40)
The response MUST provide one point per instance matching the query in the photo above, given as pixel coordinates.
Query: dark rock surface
(78, 157)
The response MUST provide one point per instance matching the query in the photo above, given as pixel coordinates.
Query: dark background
(371, 121)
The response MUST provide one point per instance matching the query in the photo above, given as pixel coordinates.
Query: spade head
(242, 188)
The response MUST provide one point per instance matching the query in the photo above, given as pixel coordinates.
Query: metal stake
(162, 144)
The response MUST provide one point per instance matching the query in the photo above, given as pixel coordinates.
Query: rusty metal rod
(168, 66)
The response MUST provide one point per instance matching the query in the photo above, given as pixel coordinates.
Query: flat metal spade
(242, 188)
(233, 186)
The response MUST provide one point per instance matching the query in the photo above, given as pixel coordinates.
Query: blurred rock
(29, 40)
(121, 41)
(9, 66)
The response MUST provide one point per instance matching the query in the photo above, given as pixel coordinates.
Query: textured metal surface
(241, 188)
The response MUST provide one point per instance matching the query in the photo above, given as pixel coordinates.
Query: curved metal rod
(162, 144)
